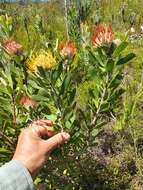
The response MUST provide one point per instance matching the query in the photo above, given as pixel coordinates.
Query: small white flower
(132, 30)
(142, 28)
(47, 44)
(117, 41)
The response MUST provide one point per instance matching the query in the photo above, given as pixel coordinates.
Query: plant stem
(14, 111)
(66, 18)
(55, 93)
(100, 104)
(57, 101)
(98, 110)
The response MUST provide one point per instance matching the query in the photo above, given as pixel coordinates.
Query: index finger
(43, 122)
(42, 131)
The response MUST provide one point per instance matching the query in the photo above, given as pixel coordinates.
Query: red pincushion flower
(11, 46)
(26, 101)
(102, 35)
(67, 49)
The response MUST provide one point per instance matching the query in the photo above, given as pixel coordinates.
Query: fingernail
(66, 136)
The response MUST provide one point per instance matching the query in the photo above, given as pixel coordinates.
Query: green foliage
(95, 95)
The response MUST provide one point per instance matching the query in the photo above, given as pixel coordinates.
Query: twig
(56, 101)
(101, 102)
(14, 111)
(98, 110)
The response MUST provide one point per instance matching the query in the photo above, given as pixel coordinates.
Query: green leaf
(110, 65)
(4, 151)
(101, 124)
(7, 108)
(96, 102)
(95, 132)
(52, 117)
(116, 95)
(97, 58)
(118, 125)
(4, 114)
(126, 59)
(56, 73)
(69, 187)
(4, 100)
(98, 128)
(3, 89)
(38, 180)
(34, 85)
(105, 107)
(40, 98)
(42, 72)
(120, 48)
(40, 81)
(116, 81)
(72, 95)
(9, 78)
(65, 84)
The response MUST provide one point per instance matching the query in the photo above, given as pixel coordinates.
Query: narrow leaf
(120, 48)
(65, 84)
(126, 59)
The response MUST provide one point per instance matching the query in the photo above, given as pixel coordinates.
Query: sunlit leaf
(126, 59)
(120, 48)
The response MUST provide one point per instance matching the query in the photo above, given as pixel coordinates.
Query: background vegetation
(106, 154)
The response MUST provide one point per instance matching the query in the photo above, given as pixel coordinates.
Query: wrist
(25, 164)
(32, 165)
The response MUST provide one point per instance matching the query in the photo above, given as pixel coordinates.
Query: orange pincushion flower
(67, 49)
(102, 35)
(11, 46)
(26, 101)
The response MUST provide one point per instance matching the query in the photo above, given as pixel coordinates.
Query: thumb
(56, 140)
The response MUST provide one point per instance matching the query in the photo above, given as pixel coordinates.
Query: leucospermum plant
(82, 85)
(78, 85)
(52, 81)
(105, 75)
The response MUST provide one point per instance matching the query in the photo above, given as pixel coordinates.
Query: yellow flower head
(41, 59)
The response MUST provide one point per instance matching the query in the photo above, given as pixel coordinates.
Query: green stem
(66, 18)
(93, 123)
(57, 100)
(14, 111)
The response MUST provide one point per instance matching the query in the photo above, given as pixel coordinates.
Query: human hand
(32, 148)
